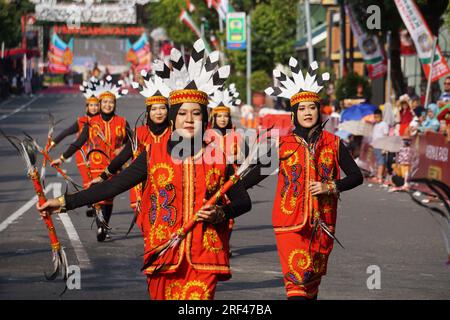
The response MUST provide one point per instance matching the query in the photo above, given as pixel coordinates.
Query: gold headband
(304, 96)
(222, 108)
(155, 100)
(91, 100)
(106, 94)
(188, 95)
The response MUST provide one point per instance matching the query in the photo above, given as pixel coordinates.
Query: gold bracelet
(108, 174)
(332, 189)
(52, 143)
(62, 204)
(62, 158)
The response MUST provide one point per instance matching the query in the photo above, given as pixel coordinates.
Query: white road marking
(16, 215)
(18, 109)
(80, 252)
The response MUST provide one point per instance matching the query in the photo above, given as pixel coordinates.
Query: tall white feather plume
(151, 86)
(89, 89)
(225, 97)
(311, 81)
(109, 86)
(201, 74)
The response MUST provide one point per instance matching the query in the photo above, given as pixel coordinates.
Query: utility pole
(389, 66)
(343, 59)
(308, 31)
(249, 59)
(430, 74)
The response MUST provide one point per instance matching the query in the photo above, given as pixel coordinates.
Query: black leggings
(107, 211)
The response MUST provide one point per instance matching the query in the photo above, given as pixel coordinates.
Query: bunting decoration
(138, 54)
(60, 55)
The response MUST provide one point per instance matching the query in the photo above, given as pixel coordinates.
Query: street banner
(187, 20)
(222, 7)
(370, 48)
(423, 39)
(407, 47)
(236, 31)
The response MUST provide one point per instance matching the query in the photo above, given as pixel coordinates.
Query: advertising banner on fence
(432, 150)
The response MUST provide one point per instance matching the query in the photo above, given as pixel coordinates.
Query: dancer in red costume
(104, 134)
(309, 183)
(92, 109)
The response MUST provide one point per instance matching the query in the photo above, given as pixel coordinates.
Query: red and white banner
(423, 39)
(370, 48)
(407, 47)
(187, 20)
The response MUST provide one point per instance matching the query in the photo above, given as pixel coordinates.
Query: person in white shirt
(380, 129)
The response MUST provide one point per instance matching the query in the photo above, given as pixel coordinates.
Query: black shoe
(90, 212)
(101, 234)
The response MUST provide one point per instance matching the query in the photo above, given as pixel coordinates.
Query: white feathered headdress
(224, 99)
(108, 88)
(154, 90)
(89, 90)
(299, 88)
(193, 82)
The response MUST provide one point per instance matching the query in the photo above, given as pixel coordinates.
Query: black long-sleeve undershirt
(66, 132)
(119, 160)
(353, 176)
(352, 179)
(137, 173)
(83, 138)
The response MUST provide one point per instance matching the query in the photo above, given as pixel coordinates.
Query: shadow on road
(237, 286)
(253, 250)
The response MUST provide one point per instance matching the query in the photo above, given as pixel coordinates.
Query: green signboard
(236, 31)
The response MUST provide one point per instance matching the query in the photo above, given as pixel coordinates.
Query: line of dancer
(191, 183)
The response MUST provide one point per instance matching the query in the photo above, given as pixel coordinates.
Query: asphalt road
(377, 228)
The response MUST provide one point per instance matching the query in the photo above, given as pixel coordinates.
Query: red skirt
(303, 266)
(185, 284)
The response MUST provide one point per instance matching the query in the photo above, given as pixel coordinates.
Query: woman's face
(404, 106)
(93, 107)
(307, 114)
(188, 121)
(430, 114)
(222, 119)
(107, 105)
(158, 113)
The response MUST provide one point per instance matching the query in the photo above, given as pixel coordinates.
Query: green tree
(10, 21)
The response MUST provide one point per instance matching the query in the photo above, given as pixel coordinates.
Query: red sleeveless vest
(294, 207)
(144, 138)
(113, 133)
(173, 192)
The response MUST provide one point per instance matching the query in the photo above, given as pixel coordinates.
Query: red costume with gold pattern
(144, 138)
(303, 246)
(105, 140)
(81, 163)
(174, 191)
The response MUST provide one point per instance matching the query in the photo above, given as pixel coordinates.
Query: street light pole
(249, 59)
(430, 74)
(389, 66)
(308, 31)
